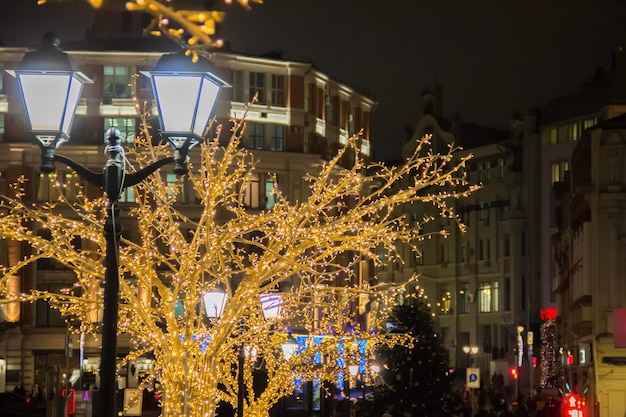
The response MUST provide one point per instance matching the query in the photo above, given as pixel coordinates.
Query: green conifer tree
(417, 380)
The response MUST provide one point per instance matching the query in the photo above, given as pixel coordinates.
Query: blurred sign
(473, 378)
(133, 400)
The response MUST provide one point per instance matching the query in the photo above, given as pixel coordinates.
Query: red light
(513, 372)
(573, 406)
(534, 362)
(548, 314)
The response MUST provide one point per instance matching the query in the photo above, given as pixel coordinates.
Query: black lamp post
(51, 85)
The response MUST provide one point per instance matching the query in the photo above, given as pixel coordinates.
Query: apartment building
(587, 262)
(478, 283)
(301, 116)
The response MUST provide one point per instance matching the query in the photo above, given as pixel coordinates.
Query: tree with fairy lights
(307, 251)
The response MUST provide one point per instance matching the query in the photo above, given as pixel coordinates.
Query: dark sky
(492, 57)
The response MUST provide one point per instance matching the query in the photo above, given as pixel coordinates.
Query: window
(463, 298)
(351, 121)
(47, 188)
(237, 83)
(558, 170)
(278, 138)
(46, 316)
(126, 126)
(487, 338)
(256, 135)
(1, 125)
(365, 147)
(127, 195)
(481, 250)
(507, 245)
(118, 81)
(329, 104)
(484, 170)
(257, 86)
(446, 299)
(270, 198)
(175, 188)
(72, 186)
(484, 211)
(250, 194)
(278, 90)
(507, 294)
(501, 167)
(487, 297)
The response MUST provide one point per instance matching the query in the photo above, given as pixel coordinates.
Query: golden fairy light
(308, 251)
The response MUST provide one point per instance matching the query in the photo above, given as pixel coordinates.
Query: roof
(604, 88)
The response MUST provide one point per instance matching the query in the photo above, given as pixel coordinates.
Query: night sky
(492, 57)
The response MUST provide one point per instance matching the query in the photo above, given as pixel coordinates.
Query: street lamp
(51, 84)
(214, 303)
(470, 350)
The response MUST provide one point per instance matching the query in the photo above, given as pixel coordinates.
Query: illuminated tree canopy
(192, 29)
(309, 251)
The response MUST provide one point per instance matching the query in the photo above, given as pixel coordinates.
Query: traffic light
(513, 372)
(573, 405)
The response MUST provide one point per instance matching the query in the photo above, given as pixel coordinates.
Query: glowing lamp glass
(214, 302)
(271, 304)
(51, 100)
(289, 349)
(185, 102)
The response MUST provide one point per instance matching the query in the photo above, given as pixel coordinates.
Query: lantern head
(51, 84)
(186, 93)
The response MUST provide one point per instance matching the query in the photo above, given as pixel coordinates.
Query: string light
(308, 249)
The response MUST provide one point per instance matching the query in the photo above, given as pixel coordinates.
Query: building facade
(300, 117)
(582, 147)
(479, 282)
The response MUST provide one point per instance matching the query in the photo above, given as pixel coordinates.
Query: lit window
(365, 147)
(484, 297)
(127, 195)
(126, 126)
(250, 194)
(47, 188)
(557, 171)
(118, 81)
(175, 188)
(270, 198)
